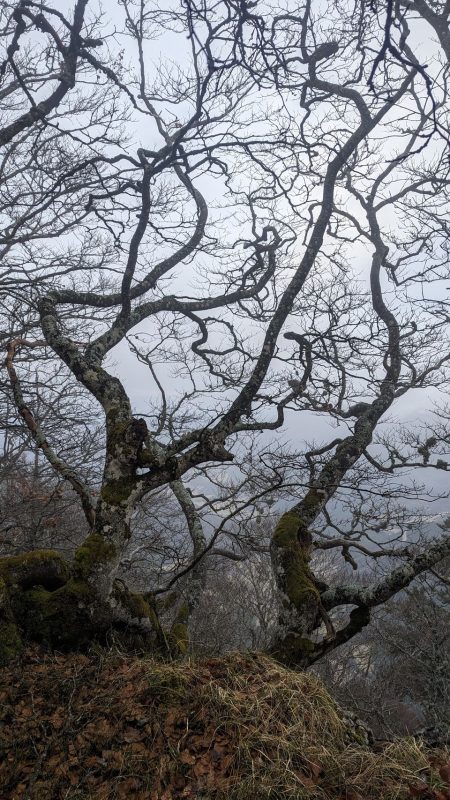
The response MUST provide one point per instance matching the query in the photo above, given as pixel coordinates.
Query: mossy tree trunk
(85, 602)
(302, 609)
(299, 611)
(45, 599)
(69, 605)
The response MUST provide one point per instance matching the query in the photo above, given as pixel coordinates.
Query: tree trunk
(300, 607)
(45, 599)
(69, 605)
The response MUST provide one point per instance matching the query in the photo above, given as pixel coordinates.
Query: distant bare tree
(395, 674)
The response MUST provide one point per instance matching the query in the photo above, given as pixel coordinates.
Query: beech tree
(248, 203)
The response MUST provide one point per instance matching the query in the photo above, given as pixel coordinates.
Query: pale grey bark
(377, 593)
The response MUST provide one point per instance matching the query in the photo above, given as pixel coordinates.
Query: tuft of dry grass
(106, 726)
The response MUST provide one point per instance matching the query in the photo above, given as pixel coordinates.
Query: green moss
(299, 580)
(94, 550)
(31, 612)
(183, 614)
(134, 603)
(15, 562)
(299, 585)
(286, 532)
(179, 639)
(139, 608)
(37, 566)
(116, 492)
(41, 601)
(61, 618)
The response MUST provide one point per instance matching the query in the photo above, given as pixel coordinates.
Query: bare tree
(395, 673)
(216, 224)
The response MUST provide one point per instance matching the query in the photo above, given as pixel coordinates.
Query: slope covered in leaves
(110, 726)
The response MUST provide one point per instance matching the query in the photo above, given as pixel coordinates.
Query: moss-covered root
(36, 568)
(45, 601)
(139, 612)
(17, 575)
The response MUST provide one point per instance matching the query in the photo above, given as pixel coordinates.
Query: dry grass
(241, 728)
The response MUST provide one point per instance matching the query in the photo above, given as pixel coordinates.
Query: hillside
(107, 726)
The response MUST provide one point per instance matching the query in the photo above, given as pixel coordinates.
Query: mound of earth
(107, 726)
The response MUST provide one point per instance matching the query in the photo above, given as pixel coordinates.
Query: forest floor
(107, 726)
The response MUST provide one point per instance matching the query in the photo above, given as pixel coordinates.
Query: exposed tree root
(44, 599)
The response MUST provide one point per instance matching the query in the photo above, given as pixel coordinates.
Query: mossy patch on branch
(135, 604)
(94, 550)
(300, 596)
(286, 531)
